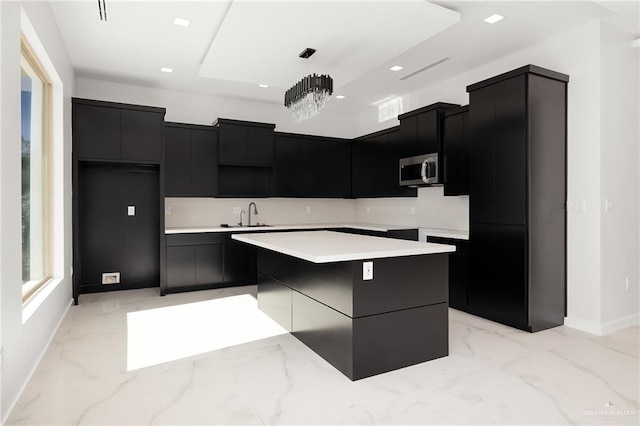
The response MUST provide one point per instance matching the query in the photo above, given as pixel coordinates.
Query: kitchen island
(367, 305)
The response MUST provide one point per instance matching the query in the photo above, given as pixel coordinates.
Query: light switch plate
(308, 209)
(367, 271)
(131, 210)
(167, 210)
(237, 210)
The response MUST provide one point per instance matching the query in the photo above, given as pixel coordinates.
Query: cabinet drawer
(194, 239)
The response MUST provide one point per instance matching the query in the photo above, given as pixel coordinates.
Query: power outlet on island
(367, 271)
(237, 210)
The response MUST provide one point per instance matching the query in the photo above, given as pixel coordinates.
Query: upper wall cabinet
(311, 166)
(244, 143)
(375, 166)
(455, 151)
(421, 130)
(115, 131)
(191, 160)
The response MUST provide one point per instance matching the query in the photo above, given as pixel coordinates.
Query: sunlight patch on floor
(155, 336)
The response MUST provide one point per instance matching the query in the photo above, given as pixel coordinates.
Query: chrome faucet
(242, 211)
(255, 211)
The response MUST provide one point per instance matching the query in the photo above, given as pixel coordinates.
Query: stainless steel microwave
(420, 170)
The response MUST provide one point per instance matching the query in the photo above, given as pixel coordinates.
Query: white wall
(602, 162)
(183, 107)
(431, 209)
(23, 344)
(272, 211)
(619, 163)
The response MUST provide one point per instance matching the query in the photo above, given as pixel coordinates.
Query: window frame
(31, 288)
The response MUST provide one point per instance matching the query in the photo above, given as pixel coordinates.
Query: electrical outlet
(368, 209)
(608, 205)
(626, 283)
(167, 210)
(413, 210)
(308, 209)
(111, 278)
(131, 210)
(237, 210)
(367, 271)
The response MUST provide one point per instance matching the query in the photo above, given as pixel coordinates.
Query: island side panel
(401, 283)
(274, 299)
(326, 331)
(328, 283)
(387, 342)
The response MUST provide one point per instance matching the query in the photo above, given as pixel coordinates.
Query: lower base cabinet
(458, 271)
(207, 260)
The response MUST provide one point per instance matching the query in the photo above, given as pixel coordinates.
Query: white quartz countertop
(364, 226)
(443, 233)
(328, 246)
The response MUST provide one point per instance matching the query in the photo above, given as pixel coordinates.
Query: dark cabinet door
(239, 262)
(287, 172)
(181, 266)
(204, 160)
(427, 132)
(232, 144)
(141, 135)
(482, 156)
(498, 268)
(407, 137)
(260, 146)
(458, 280)
(510, 152)
(455, 154)
(208, 264)
(177, 162)
(366, 163)
(326, 168)
(96, 132)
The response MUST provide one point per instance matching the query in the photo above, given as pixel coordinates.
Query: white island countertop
(328, 246)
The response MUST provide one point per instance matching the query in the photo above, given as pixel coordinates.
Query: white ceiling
(232, 46)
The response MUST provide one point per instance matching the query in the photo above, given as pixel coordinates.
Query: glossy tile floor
(211, 357)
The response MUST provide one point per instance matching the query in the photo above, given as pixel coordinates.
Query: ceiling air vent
(438, 62)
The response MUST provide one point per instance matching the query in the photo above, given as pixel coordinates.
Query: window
(35, 111)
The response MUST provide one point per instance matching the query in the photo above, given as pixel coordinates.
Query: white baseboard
(35, 366)
(619, 324)
(600, 329)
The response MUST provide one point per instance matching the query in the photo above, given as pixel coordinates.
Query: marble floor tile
(211, 357)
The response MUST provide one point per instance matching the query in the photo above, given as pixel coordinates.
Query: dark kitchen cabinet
(326, 168)
(517, 197)
(455, 152)
(194, 261)
(375, 166)
(117, 132)
(239, 181)
(244, 143)
(239, 262)
(191, 160)
(420, 131)
(287, 170)
(458, 271)
(311, 166)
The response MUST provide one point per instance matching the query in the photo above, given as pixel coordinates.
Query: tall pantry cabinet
(517, 197)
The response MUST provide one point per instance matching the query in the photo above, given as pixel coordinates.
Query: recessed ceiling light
(181, 21)
(340, 96)
(263, 85)
(494, 18)
(396, 68)
(167, 70)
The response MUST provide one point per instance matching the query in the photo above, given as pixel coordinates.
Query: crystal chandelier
(307, 97)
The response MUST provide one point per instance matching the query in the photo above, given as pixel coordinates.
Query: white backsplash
(272, 211)
(431, 209)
